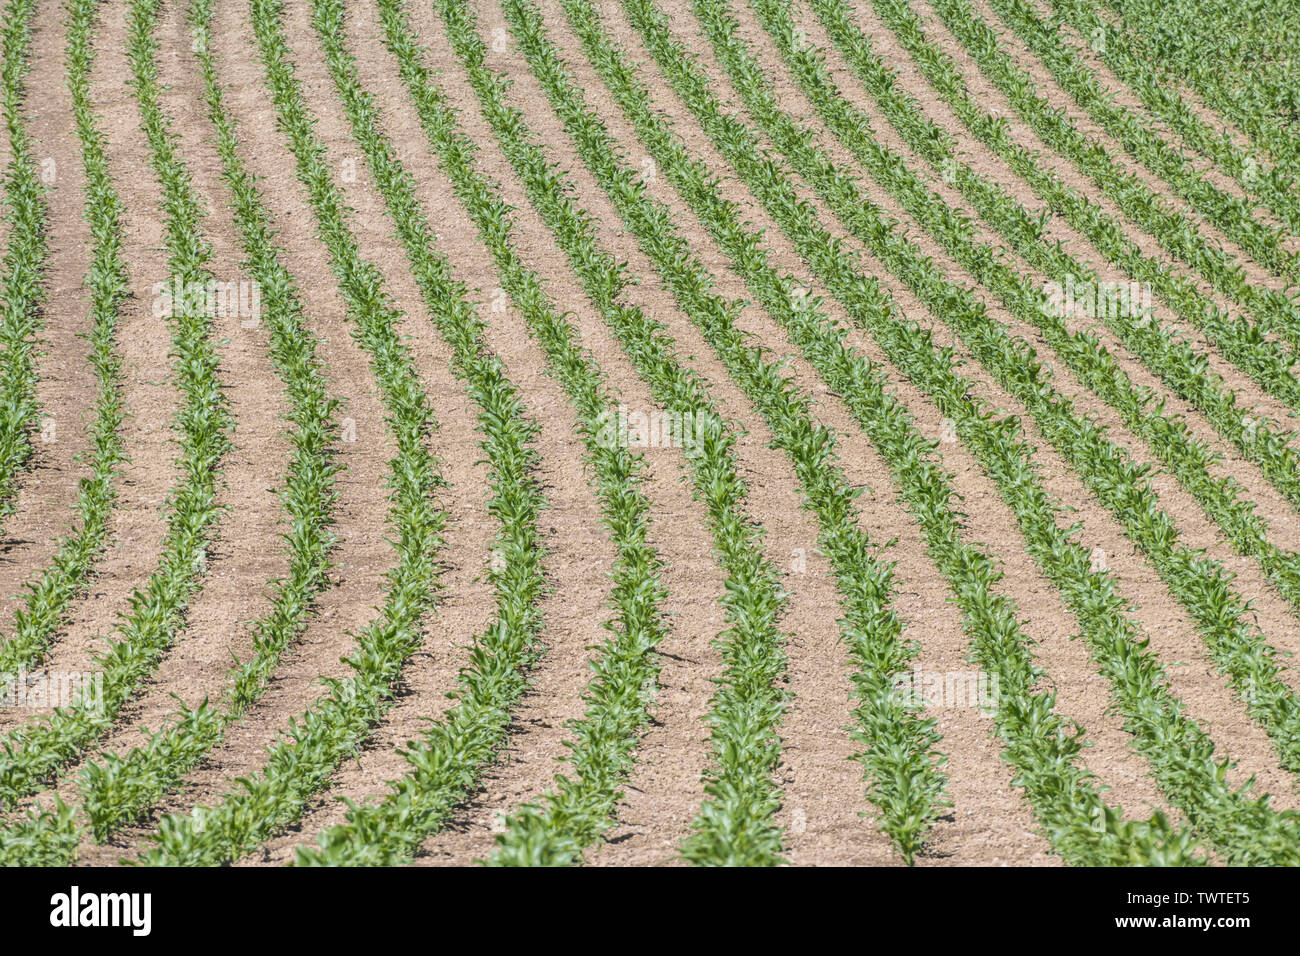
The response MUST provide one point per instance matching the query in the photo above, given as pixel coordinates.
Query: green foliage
(301, 764)
(903, 767)
(1210, 45)
(1270, 183)
(924, 489)
(1245, 345)
(1232, 215)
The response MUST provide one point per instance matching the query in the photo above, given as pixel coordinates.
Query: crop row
(1141, 411)
(49, 837)
(907, 782)
(117, 789)
(737, 824)
(626, 669)
(22, 290)
(1177, 232)
(120, 789)
(106, 279)
(903, 767)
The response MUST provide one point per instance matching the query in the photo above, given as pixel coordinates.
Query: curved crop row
(1176, 232)
(748, 704)
(49, 838)
(1167, 355)
(776, 294)
(1252, 106)
(626, 669)
(26, 250)
(119, 789)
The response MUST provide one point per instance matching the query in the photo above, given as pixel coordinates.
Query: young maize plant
(45, 607)
(1166, 354)
(26, 249)
(907, 779)
(1188, 771)
(1083, 830)
(1176, 232)
(338, 724)
(618, 697)
(32, 755)
(1202, 586)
